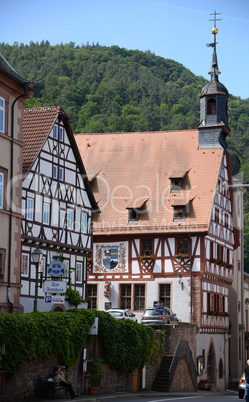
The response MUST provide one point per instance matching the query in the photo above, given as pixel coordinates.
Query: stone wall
(23, 385)
(182, 381)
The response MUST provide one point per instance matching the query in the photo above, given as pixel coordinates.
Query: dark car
(157, 317)
(242, 386)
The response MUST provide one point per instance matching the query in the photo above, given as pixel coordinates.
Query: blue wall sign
(56, 268)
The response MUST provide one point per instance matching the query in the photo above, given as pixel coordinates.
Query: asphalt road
(199, 396)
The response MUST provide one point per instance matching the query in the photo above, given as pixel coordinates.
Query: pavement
(105, 397)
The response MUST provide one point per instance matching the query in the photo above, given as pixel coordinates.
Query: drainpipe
(11, 193)
(191, 279)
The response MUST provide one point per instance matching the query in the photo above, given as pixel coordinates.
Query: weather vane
(214, 29)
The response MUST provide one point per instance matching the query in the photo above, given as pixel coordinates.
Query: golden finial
(215, 30)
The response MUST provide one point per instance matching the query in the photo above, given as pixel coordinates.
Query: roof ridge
(140, 132)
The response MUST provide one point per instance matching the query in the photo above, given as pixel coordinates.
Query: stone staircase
(161, 382)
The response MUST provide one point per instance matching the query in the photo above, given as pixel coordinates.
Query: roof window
(176, 181)
(135, 209)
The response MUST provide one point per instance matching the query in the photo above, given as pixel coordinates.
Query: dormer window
(135, 209)
(181, 208)
(211, 106)
(133, 216)
(179, 213)
(176, 185)
(176, 181)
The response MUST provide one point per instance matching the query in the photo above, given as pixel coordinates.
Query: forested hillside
(112, 89)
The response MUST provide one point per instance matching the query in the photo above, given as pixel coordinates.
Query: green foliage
(96, 371)
(156, 353)
(49, 334)
(111, 89)
(108, 89)
(74, 297)
(126, 345)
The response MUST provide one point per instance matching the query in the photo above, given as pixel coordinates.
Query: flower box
(219, 313)
(181, 255)
(145, 257)
(204, 385)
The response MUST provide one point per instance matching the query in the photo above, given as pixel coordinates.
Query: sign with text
(56, 268)
(55, 286)
(54, 299)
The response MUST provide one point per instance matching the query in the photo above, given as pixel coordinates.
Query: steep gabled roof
(37, 125)
(137, 166)
(6, 68)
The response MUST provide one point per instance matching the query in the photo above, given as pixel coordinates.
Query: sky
(173, 29)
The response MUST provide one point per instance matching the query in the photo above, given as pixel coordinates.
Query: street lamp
(179, 278)
(36, 259)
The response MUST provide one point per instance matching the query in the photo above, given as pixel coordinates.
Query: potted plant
(96, 371)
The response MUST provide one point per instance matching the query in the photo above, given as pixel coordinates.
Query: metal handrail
(183, 350)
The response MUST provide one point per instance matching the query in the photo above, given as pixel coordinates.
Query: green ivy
(49, 334)
(126, 345)
(74, 297)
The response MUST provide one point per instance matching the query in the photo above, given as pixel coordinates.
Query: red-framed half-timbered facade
(167, 230)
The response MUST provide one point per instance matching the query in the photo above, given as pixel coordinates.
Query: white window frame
(79, 272)
(27, 265)
(2, 113)
(1, 190)
(55, 172)
(61, 174)
(55, 133)
(61, 134)
(30, 209)
(46, 213)
(70, 219)
(42, 265)
(83, 222)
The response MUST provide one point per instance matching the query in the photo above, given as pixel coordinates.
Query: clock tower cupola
(213, 128)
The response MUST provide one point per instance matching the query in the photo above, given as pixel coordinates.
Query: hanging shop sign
(55, 287)
(56, 268)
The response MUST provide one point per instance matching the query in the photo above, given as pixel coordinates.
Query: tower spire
(214, 70)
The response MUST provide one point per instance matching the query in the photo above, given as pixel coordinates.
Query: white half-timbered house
(57, 205)
(167, 229)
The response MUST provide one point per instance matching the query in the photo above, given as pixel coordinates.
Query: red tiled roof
(37, 124)
(137, 166)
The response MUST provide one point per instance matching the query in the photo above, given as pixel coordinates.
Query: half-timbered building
(167, 229)
(57, 205)
(14, 89)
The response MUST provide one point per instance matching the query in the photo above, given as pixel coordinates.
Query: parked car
(242, 386)
(120, 314)
(158, 316)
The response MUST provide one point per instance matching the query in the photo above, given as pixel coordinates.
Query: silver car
(120, 314)
(242, 386)
(157, 317)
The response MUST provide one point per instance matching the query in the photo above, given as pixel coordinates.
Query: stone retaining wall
(23, 385)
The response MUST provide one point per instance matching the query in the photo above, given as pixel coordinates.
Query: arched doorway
(211, 365)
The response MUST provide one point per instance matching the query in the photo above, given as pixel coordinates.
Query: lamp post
(36, 259)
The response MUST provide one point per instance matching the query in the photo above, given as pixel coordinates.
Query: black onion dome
(214, 87)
